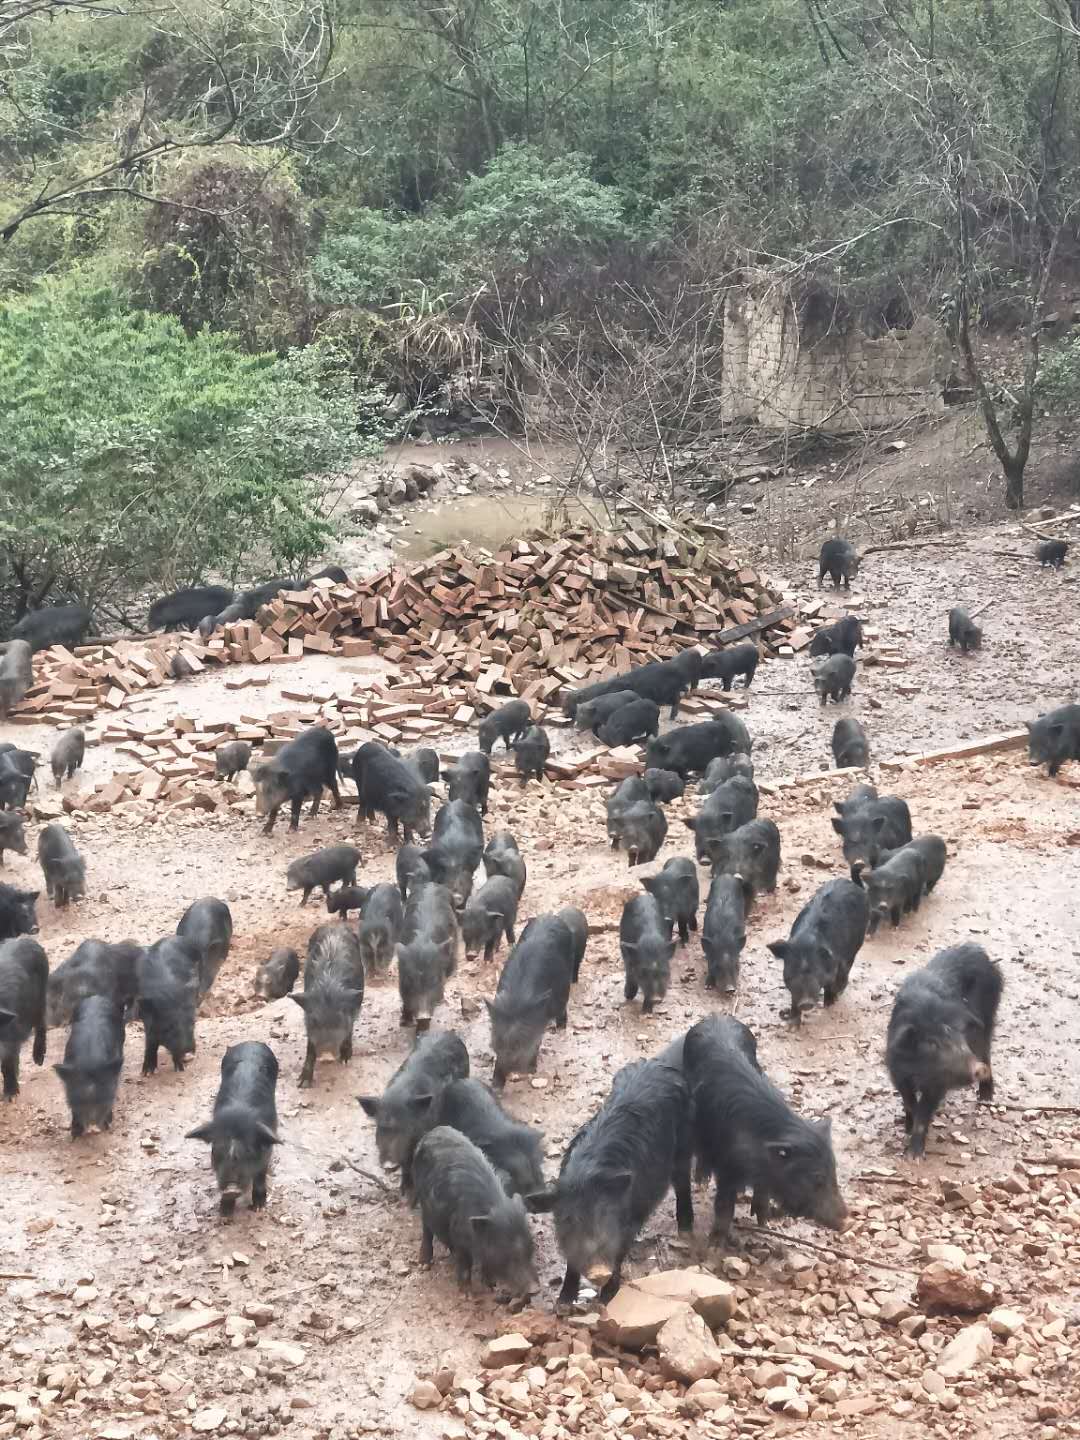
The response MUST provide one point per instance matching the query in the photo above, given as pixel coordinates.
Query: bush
(134, 456)
(522, 218)
(1059, 378)
(229, 252)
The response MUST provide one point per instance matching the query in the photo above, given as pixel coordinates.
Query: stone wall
(837, 381)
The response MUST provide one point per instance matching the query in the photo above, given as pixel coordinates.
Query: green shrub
(524, 215)
(134, 456)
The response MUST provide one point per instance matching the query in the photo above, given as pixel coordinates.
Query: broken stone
(893, 1310)
(255, 1310)
(965, 1350)
(293, 1355)
(192, 1321)
(768, 1375)
(857, 1405)
(212, 1418)
(425, 1395)
(950, 1254)
(827, 1360)
(1005, 1322)
(707, 1395)
(687, 1349)
(779, 1395)
(942, 1286)
(505, 1350)
(713, 1299)
(633, 1318)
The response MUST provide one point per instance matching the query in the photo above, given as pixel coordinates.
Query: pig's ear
(265, 1134)
(420, 1103)
(202, 1132)
(838, 825)
(690, 824)
(1028, 724)
(825, 1127)
(369, 1104)
(779, 948)
(300, 1000)
(905, 1038)
(62, 1070)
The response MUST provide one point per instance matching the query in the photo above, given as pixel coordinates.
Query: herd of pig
(473, 1171)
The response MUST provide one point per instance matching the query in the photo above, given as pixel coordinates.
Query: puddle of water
(486, 520)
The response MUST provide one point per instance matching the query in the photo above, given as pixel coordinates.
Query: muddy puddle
(488, 521)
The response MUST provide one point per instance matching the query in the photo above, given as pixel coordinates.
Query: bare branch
(257, 91)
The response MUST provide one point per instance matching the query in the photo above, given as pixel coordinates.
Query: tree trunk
(1014, 482)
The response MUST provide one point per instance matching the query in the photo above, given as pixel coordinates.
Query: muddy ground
(109, 1242)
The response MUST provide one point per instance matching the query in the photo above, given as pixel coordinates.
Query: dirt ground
(108, 1243)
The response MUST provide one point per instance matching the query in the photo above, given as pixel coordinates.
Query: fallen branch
(914, 545)
(366, 1174)
(982, 608)
(344, 1160)
(16, 1275)
(822, 1249)
(1031, 525)
(1041, 1109)
(871, 1179)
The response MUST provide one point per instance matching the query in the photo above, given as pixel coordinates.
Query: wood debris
(539, 616)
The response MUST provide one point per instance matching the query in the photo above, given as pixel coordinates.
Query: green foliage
(135, 456)
(523, 216)
(1059, 378)
(229, 251)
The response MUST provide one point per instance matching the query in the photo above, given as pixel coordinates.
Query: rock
(893, 1310)
(933, 1383)
(192, 1321)
(858, 1405)
(951, 1254)
(777, 1397)
(212, 1418)
(425, 1395)
(257, 1311)
(965, 1350)
(633, 1318)
(505, 1350)
(945, 1287)
(293, 1355)
(397, 492)
(827, 1360)
(1005, 1322)
(768, 1375)
(366, 509)
(687, 1349)
(713, 1299)
(708, 1395)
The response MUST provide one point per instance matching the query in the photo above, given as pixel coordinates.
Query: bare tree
(992, 182)
(260, 65)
